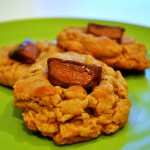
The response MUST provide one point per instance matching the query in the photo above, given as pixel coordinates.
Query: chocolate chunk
(27, 52)
(115, 33)
(66, 73)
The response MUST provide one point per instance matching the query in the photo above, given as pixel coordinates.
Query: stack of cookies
(72, 91)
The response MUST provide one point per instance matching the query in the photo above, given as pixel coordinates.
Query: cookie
(116, 50)
(72, 98)
(11, 69)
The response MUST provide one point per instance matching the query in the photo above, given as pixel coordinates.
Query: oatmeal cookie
(125, 54)
(72, 113)
(11, 69)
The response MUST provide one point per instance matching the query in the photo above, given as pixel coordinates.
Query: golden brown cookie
(127, 54)
(72, 114)
(11, 69)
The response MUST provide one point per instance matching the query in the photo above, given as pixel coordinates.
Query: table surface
(128, 11)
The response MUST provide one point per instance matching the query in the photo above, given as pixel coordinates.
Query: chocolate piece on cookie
(113, 32)
(27, 52)
(66, 73)
(70, 115)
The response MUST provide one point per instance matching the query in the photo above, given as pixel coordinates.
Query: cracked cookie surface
(70, 115)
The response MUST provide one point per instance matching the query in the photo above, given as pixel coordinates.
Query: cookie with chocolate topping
(72, 98)
(106, 43)
(16, 59)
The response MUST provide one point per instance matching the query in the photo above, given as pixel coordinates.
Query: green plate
(136, 133)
